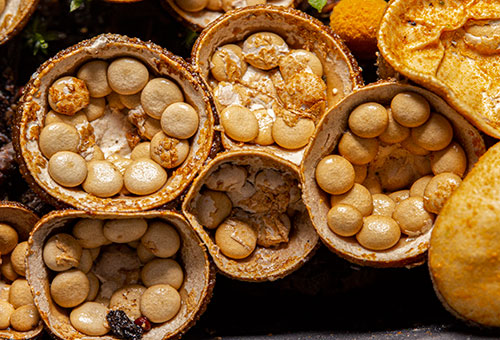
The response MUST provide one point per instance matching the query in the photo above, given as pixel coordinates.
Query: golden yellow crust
(464, 254)
(428, 41)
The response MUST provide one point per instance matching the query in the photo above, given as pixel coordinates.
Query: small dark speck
(411, 22)
(431, 4)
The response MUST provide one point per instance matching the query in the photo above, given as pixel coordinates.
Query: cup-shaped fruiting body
(246, 207)
(14, 15)
(390, 191)
(19, 319)
(117, 279)
(127, 81)
(277, 67)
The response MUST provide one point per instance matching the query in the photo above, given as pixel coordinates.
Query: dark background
(327, 298)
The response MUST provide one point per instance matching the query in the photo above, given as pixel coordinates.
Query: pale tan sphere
(67, 168)
(212, 207)
(418, 187)
(167, 151)
(114, 101)
(128, 299)
(192, 5)
(214, 5)
(103, 179)
(25, 318)
(344, 219)
(179, 120)
(20, 293)
(379, 233)
(412, 217)
(410, 109)
(95, 109)
(265, 120)
(399, 196)
(151, 128)
(7, 270)
(68, 95)
(141, 150)
(359, 197)
(372, 183)
(161, 239)
(158, 94)
(383, 205)
(162, 271)
(435, 134)
(70, 288)
(125, 230)
(144, 177)
(227, 63)
(292, 137)
(95, 75)
(78, 118)
(144, 254)
(439, 190)
(90, 319)
(88, 232)
(299, 60)
(160, 303)
(264, 50)
(6, 311)
(232, 118)
(358, 150)
(127, 75)
(57, 137)
(368, 120)
(61, 252)
(360, 173)
(410, 145)
(94, 285)
(235, 238)
(17, 258)
(131, 101)
(450, 159)
(335, 175)
(228, 177)
(8, 238)
(229, 5)
(395, 132)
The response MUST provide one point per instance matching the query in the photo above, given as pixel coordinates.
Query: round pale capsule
(95, 75)
(160, 303)
(57, 137)
(232, 118)
(128, 299)
(144, 177)
(412, 217)
(88, 232)
(435, 134)
(395, 132)
(360, 173)
(25, 318)
(20, 293)
(68, 95)
(358, 196)
(344, 219)
(212, 208)
(410, 145)
(6, 311)
(292, 137)
(265, 120)
(131, 101)
(378, 233)
(368, 120)
(383, 205)
(162, 271)
(61, 252)
(6, 268)
(418, 187)
(298, 60)
(372, 183)
(90, 319)
(161, 239)
(67, 168)
(235, 238)
(192, 5)
(450, 159)
(358, 150)
(158, 94)
(410, 109)
(127, 75)
(141, 150)
(125, 230)
(8, 238)
(399, 196)
(227, 63)
(264, 50)
(70, 288)
(95, 109)
(114, 101)
(214, 5)
(144, 254)
(94, 285)
(439, 189)
(335, 174)
(179, 120)
(167, 151)
(103, 179)
(17, 258)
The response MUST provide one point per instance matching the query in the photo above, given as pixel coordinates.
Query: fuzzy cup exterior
(33, 108)
(264, 264)
(22, 220)
(14, 17)
(196, 291)
(299, 30)
(408, 251)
